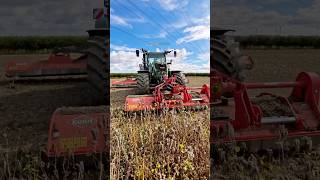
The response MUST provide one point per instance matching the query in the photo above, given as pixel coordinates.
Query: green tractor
(154, 68)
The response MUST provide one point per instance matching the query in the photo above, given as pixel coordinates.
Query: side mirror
(175, 53)
(137, 53)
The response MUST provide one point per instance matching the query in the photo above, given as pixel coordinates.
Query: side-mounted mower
(82, 133)
(260, 122)
(59, 65)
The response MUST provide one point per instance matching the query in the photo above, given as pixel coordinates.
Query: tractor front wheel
(143, 83)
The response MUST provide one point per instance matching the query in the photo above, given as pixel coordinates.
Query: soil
(26, 109)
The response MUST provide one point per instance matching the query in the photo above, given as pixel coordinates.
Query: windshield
(161, 60)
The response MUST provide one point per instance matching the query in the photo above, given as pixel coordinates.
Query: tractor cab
(154, 69)
(157, 61)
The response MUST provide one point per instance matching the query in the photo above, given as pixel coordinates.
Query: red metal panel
(76, 133)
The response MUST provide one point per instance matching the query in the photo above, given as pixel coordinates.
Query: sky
(46, 17)
(161, 24)
(269, 17)
(158, 25)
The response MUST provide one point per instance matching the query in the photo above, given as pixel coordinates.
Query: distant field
(44, 44)
(267, 42)
(36, 44)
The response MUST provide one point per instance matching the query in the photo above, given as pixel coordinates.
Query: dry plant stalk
(169, 145)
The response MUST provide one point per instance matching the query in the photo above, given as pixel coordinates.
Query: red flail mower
(127, 83)
(170, 95)
(258, 122)
(58, 65)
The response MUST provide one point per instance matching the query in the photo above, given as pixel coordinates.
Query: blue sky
(158, 25)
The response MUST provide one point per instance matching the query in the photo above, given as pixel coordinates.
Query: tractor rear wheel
(228, 59)
(143, 83)
(97, 67)
(181, 79)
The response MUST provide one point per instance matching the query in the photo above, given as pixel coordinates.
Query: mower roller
(260, 122)
(59, 65)
(170, 95)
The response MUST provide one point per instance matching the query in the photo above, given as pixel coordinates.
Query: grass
(167, 146)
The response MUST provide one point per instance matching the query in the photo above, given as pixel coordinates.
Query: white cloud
(121, 48)
(183, 63)
(195, 33)
(171, 5)
(124, 61)
(204, 57)
(124, 21)
(117, 20)
(194, 29)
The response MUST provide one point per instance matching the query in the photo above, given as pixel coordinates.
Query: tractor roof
(220, 31)
(156, 54)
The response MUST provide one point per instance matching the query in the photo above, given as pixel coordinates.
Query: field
(25, 112)
(172, 145)
(276, 65)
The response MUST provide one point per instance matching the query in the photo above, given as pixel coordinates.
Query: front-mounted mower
(170, 95)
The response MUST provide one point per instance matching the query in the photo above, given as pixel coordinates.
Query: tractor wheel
(143, 83)
(228, 59)
(181, 79)
(97, 67)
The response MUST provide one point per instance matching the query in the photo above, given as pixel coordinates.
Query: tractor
(154, 68)
(169, 90)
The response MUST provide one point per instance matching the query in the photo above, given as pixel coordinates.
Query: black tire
(98, 68)
(227, 57)
(181, 79)
(143, 83)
